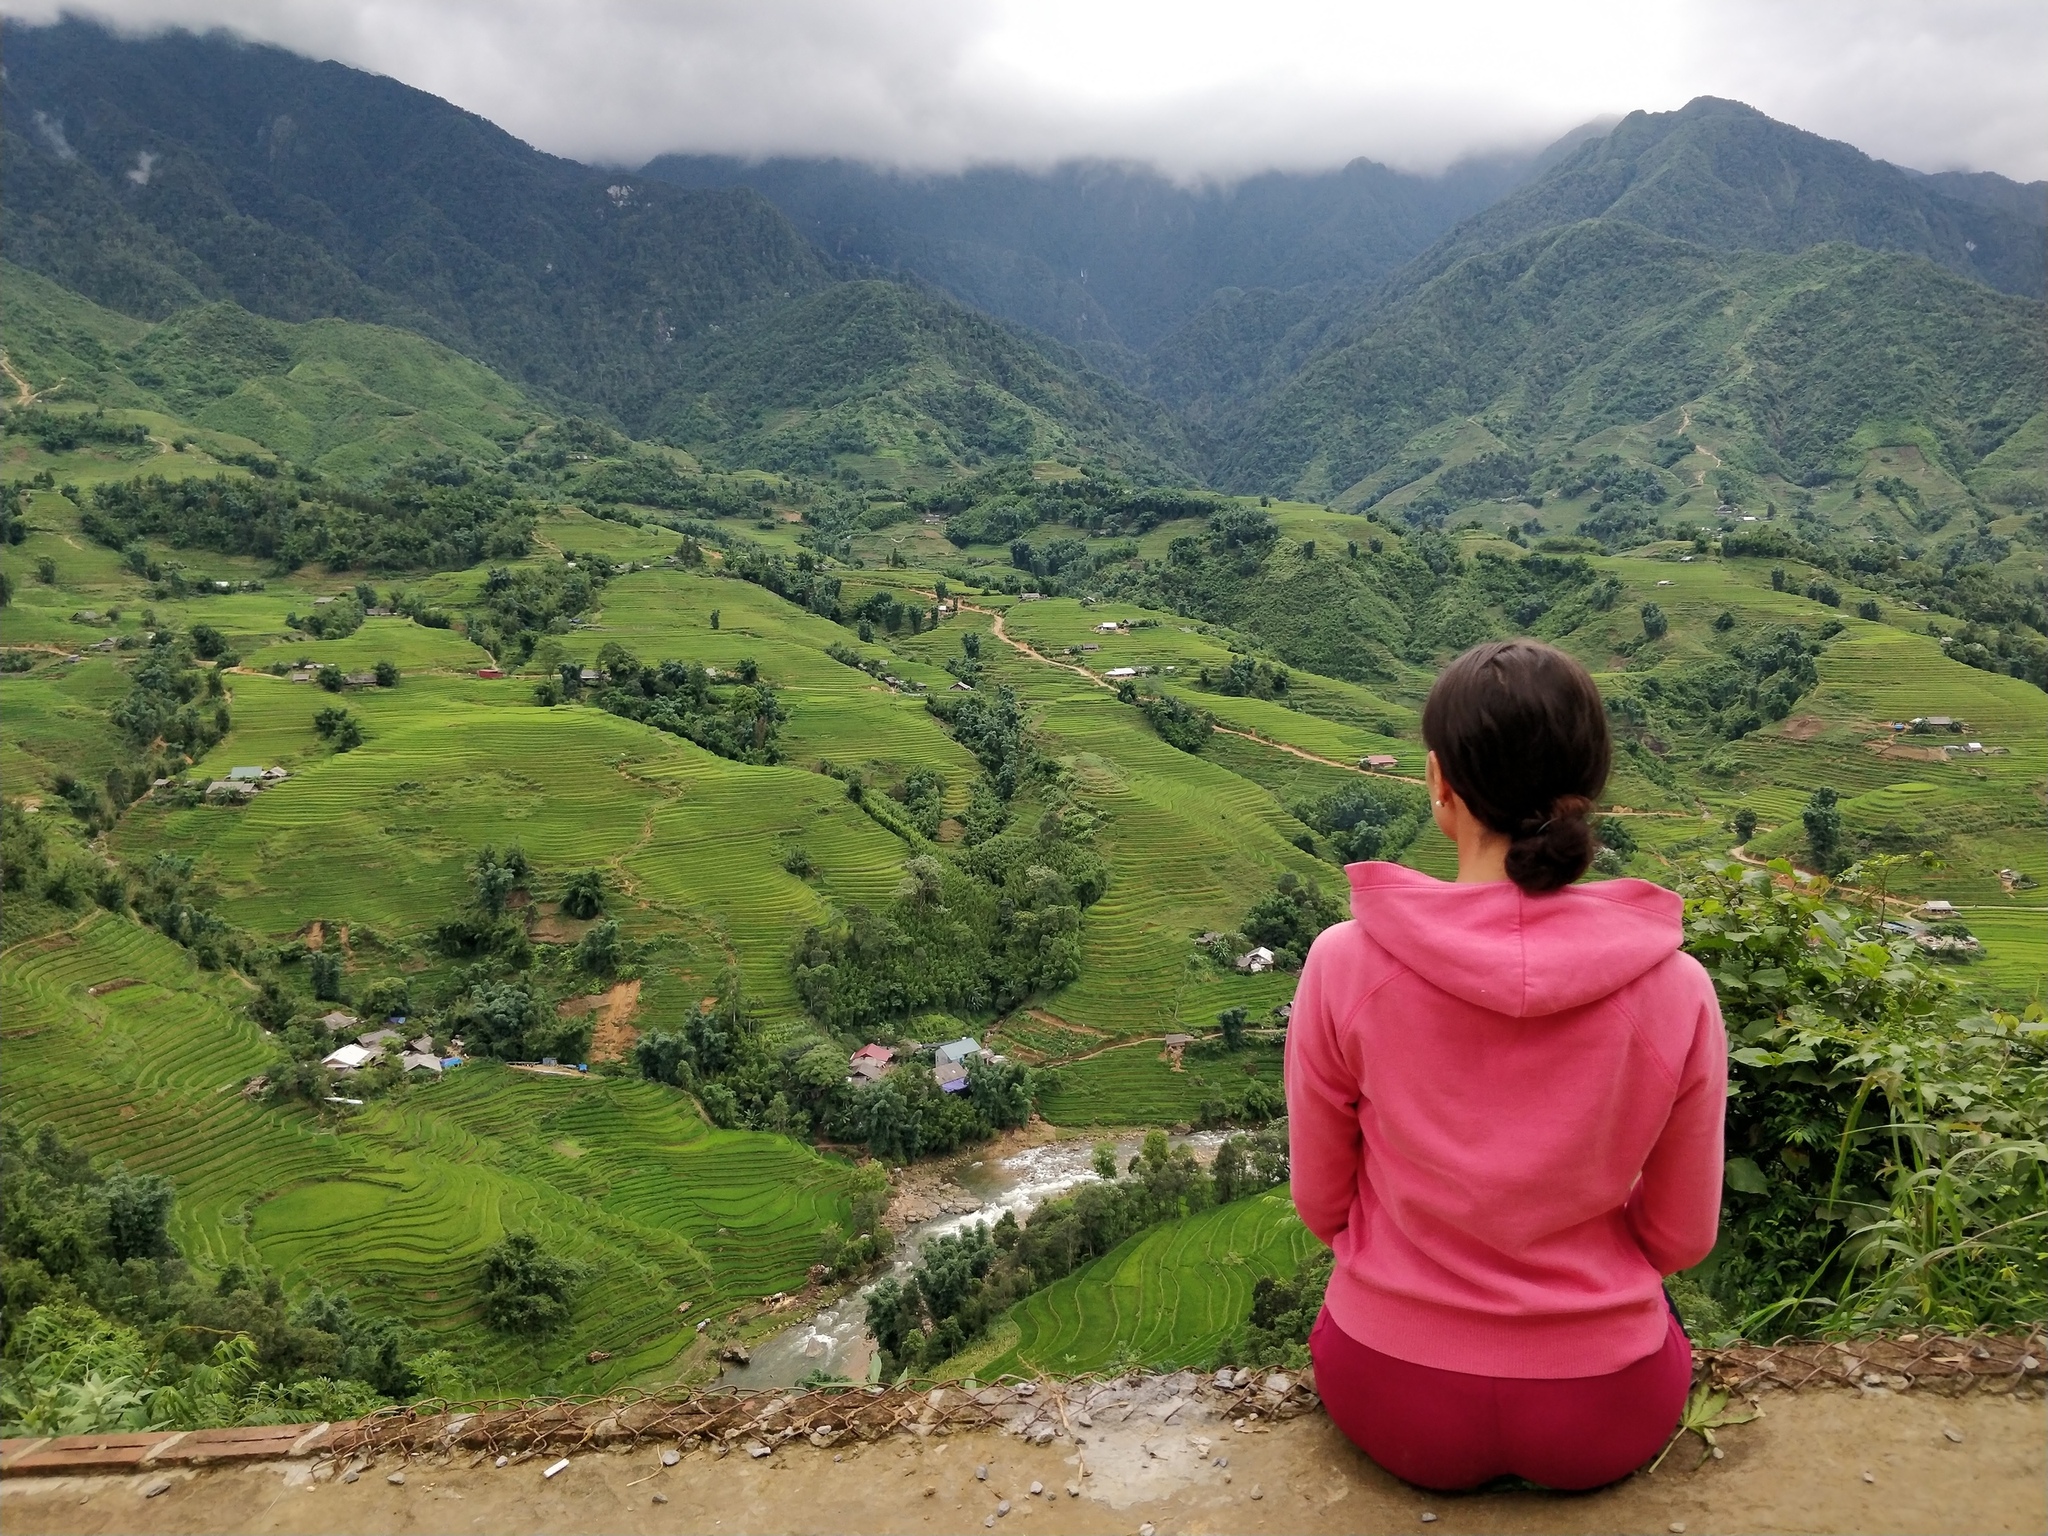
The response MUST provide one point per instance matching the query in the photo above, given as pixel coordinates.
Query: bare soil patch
(1802, 727)
(113, 986)
(552, 926)
(612, 1033)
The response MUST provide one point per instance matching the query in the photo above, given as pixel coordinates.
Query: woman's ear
(1443, 800)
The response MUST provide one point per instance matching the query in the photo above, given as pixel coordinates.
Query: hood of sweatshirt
(1497, 948)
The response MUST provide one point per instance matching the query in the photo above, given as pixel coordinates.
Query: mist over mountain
(1096, 253)
(1285, 332)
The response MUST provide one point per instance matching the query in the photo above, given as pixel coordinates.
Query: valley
(657, 713)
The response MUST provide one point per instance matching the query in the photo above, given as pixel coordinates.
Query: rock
(1036, 1488)
(1428, 1517)
(990, 1522)
(1042, 1435)
(396, 1479)
(502, 1461)
(350, 1476)
(1073, 1490)
(1278, 1383)
(1085, 1419)
(661, 1498)
(671, 1456)
(1145, 1529)
(1870, 1477)
(1222, 1461)
(1002, 1506)
(929, 1490)
(755, 1449)
(1950, 1432)
(1226, 1378)
(981, 1473)
(161, 1485)
(1258, 1492)
(1677, 1528)
(735, 1354)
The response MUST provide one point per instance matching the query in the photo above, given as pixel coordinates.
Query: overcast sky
(1201, 88)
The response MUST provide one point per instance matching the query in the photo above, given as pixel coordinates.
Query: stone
(1950, 1432)
(502, 1461)
(1429, 1517)
(1258, 1492)
(661, 1498)
(990, 1522)
(671, 1456)
(350, 1476)
(981, 1473)
(929, 1490)
(1677, 1528)
(396, 1479)
(161, 1485)
(755, 1449)
(1036, 1488)
(1145, 1529)
(1002, 1506)
(1870, 1477)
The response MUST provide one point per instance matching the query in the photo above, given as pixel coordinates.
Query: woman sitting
(1505, 1099)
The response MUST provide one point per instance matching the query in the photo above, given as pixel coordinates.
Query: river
(835, 1339)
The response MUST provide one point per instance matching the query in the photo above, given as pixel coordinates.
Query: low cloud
(1198, 88)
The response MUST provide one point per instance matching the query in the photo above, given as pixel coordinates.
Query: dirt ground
(1817, 1461)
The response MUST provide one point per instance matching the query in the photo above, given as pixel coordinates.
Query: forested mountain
(159, 174)
(1569, 331)
(1105, 255)
(1723, 175)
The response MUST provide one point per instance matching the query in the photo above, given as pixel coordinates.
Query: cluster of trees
(1759, 677)
(1287, 918)
(1361, 820)
(1000, 505)
(522, 603)
(55, 432)
(1246, 677)
(737, 718)
(1178, 722)
(106, 1328)
(425, 517)
(653, 480)
(962, 1284)
(169, 699)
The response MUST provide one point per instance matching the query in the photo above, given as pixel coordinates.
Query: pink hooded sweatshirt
(1505, 1114)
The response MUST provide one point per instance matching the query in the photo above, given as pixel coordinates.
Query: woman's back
(1477, 1079)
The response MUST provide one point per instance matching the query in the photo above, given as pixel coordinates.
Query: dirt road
(1819, 1461)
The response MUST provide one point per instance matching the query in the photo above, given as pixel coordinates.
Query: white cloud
(1198, 87)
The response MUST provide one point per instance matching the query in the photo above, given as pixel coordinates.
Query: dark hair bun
(1551, 854)
(1520, 732)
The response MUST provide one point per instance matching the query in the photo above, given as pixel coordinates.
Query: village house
(589, 676)
(1176, 1044)
(869, 1064)
(1926, 724)
(337, 1021)
(255, 774)
(1937, 909)
(490, 672)
(950, 1076)
(957, 1051)
(377, 1039)
(1121, 672)
(359, 679)
(420, 1061)
(349, 1058)
(229, 789)
(1256, 961)
(302, 674)
(1379, 762)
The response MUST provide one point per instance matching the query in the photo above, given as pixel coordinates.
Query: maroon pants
(1447, 1430)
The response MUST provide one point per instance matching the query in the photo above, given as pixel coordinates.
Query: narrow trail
(1699, 476)
(23, 395)
(1003, 634)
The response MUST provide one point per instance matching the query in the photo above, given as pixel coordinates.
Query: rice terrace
(725, 784)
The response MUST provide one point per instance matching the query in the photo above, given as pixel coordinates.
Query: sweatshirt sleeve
(1324, 1144)
(1675, 1211)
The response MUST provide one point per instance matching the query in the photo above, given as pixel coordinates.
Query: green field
(1134, 1085)
(1163, 1299)
(398, 1203)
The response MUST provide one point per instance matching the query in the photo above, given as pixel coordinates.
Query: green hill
(343, 398)
(1723, 175)
(1574, 330)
